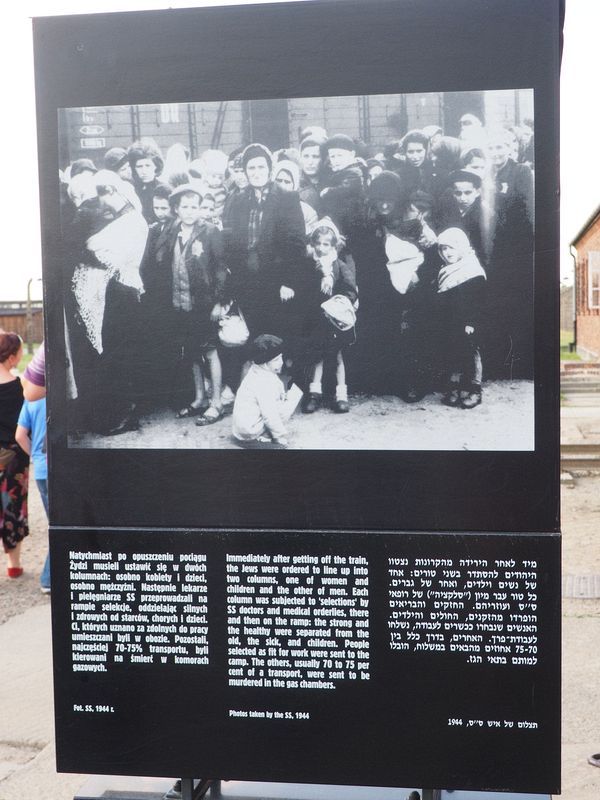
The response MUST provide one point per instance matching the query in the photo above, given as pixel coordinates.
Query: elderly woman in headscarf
(82, 216)
(461, 286)
(107, 286)
(286, 174)
(394, 286)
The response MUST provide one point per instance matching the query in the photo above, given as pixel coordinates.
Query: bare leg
(340, 374)
(214, 366)
(198, 403)
(198, 376)
(341, 405)
(312, 401)
(317, 379)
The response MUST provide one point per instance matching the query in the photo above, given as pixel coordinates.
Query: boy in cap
(464, 209)
(262, 407)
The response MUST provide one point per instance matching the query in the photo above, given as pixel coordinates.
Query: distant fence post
(29, 319)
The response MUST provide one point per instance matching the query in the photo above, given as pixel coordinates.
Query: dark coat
(413, 178)
(455, 309)
(343, 201)
(344, 283)
(461, 306)
(207, 271)
(256, 277)
(510, 322)
(471, 222)
(309, 193)
(317, 336)
(514, 187)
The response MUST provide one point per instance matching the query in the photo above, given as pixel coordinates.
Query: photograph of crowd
(312, 273)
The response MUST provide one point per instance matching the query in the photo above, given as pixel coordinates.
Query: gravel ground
(504, 421)
(581, 642)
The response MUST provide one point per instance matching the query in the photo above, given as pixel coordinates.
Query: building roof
(591, 221)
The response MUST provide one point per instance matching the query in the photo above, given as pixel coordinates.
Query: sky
(21, 262)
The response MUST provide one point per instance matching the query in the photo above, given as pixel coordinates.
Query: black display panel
(490, 478)
(378, 603)
(347, 657)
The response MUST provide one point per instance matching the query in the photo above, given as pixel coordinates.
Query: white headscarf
(82, 187)
(467, 266)
(106, 177)
(291, 168)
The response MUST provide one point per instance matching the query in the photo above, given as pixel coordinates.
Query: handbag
(6, 456)
(233, 331)
(340, 312)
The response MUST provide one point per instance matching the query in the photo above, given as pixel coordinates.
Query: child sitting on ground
(330, 277)
(460, 294)
(262, 407)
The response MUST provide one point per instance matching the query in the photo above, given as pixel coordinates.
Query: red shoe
(14, 572)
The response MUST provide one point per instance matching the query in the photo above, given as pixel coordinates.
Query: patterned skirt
(14, 483)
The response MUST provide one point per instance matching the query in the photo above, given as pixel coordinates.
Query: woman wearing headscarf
(394, 285)
(265, 239)
(107, 287)
(81, 219)
(460, 309)
(286, 174)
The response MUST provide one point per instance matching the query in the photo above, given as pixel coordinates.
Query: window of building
(594, 279)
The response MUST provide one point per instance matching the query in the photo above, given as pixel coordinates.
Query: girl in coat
(328, 276)
(460, 293)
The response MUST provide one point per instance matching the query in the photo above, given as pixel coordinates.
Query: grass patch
(566, 337)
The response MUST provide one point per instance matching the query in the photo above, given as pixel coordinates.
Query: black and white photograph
(314, 273)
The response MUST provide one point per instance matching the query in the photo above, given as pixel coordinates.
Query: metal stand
(119, 787)
(192, 790)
